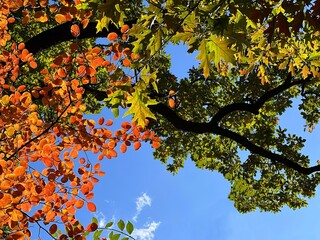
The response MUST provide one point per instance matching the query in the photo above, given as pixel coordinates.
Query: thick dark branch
(254, 107)
(200, 128)
(265, 153)
(62, 33)
(98, 94)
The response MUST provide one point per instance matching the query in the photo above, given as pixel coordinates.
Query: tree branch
(62, 33)
(254, 107)
(212, 127)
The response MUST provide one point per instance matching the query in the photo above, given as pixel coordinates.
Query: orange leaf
(60, 18)
(126, 62)
(112, 153)
(11, 20)
(26, 99)
(91, 206)
(135, 56)
(85, 189)
(90, 196)
(75, 30)
(16, 236)
(79, 203)
(5, 200)
(43, 3)
(171, 102)
(109, 122)
(126, 125)
(124, 28)
(123, 148)
(112, 36)
(25, 206)
(21, 46)
(5, 185)
(74, 153)
(155, 144)
(19, 171)
(49, 188)
(101, 121)
(136, 145)
(21, 88)
(62, 73)
(97, 166)
(33, 64)
(85, 23)
(81, 70)
(82, 160)
(50, 216)
(97, 62)
(16, 215)
(101, 173)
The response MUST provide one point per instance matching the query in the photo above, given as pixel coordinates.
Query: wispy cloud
(147, 232)
(102, 221)
(141, 202)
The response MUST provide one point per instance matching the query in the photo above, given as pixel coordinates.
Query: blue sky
(193, 204)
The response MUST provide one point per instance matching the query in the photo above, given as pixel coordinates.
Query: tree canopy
(63, 59)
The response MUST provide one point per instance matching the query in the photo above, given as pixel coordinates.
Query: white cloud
(141, 202)
(101, 219)
(146, 233)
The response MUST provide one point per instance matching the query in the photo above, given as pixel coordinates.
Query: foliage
(256, 58)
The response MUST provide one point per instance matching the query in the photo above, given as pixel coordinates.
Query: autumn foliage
(63, 60)
(43, 175)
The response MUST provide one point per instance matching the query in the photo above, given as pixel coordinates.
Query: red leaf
(101, 121)
(92, 227)
(53, 228)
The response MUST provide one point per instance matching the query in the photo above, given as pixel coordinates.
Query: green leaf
(97, 234)
(139, 107)
(205, 59)
(115, 112)
(94, 220)
(149, 78)
(121, 224)
(129, 227)
(114, 236)
(109, 224)
(221, 49)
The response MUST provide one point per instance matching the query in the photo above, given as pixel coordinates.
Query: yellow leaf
(16, 215)
(10, 131)
(305, 71)
(5, 100)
